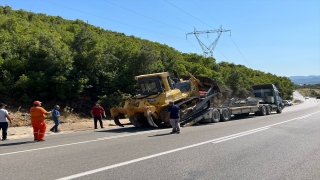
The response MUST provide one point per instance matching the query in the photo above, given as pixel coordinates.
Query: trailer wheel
(215, 116)
(263, 111)
(268, 112)
(225, 115)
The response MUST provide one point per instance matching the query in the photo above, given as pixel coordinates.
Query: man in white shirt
(4, 117)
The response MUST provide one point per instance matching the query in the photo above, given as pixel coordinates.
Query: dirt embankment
(81, 125)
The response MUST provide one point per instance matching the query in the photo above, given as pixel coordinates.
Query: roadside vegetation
(75, 65)
(310, 90)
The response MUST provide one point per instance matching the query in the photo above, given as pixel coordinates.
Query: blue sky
(277, 36)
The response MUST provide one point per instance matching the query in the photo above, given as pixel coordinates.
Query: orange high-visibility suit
(38, 116)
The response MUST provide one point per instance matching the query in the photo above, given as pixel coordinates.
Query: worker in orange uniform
(38, 117)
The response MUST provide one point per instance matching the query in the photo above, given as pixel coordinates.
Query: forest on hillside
(75, 64)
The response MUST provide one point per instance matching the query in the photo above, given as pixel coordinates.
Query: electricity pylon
(210, 49)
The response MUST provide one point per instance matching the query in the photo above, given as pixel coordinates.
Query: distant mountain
(305, 79)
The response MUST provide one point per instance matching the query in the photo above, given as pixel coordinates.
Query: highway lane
(279, 146)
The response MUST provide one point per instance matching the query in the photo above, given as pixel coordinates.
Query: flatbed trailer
(263, 100)
(224, 113)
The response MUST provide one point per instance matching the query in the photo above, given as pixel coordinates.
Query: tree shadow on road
(130, 129)
(164, 134)
(17, 143)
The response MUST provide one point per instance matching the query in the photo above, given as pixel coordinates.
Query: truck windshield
(262, 93)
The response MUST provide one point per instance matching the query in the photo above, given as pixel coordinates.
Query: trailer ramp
(205, 114)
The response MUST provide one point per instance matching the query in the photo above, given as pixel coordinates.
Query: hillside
(75, 64)
(305, 79)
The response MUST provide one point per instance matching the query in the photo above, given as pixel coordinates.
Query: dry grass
(308, 92)
(23, 118)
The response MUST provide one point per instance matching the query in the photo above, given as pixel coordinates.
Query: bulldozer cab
(150, 85)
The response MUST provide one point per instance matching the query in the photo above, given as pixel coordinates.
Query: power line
(222, 54)
(111, 20)
(102, 17)
(168, 13)
(144, 15)
(220, 24)
(205, 12)
(206, 50)
(176, 18)
(239, 50)
(186, 12)
(194, 46)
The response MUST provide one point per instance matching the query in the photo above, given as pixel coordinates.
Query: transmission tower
(208, 50)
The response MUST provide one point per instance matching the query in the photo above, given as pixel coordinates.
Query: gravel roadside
(27, 131)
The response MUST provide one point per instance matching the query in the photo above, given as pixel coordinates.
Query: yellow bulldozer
(148, 107)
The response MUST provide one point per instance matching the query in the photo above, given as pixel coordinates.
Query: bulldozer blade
(134, 121)
(150, 120)
(117, 121)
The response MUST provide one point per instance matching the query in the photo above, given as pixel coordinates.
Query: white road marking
(83, 142)
(222, 139)
(240, 134)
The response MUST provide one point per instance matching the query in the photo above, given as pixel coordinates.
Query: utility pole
(208, 50)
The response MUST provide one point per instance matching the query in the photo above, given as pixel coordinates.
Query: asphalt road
(277, 146)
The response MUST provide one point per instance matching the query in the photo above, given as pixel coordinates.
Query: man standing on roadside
(38, 121)
(96, 113)
(173, 114)
(4, 117)
(56, 118)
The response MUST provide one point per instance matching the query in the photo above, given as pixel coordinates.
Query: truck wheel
(225, 115)
(279, 110)
(268, 112)
(263, 111)
(215, 116)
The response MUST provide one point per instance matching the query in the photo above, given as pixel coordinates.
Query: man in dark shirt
(56, 118)
(173, 114)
